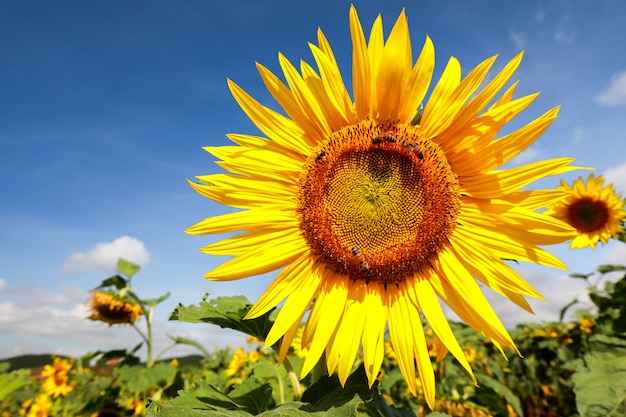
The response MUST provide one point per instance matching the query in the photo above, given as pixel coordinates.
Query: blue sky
(106, 105)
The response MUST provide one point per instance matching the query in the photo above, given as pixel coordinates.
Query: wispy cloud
(578, 135)
(540, 15)
(617, 176)
(615, 93)
(528, 155)
(563, 36)
(518, 39)
(105, 255)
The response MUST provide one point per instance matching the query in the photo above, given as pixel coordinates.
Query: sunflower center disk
(588, 215)
(377, 202)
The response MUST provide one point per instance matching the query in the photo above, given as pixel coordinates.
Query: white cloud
(579, 135)
(528, 155)
(615, 93)
(615, 254)
(37, 321)
(518, 39)
(3, 286)
(617, 176)
(105, 255)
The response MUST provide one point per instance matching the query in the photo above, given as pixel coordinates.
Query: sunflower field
(378, 206)
(574, 368)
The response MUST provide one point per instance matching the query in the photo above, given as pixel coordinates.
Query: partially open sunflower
(595, 210)
(112, 309)
(376, 210)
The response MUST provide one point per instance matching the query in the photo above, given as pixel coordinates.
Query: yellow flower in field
(253, 356)
(251, 340)
(111, 309)
(38, 408)
(56, 378)
(470, 353)
(236, 362)
(594, 210)
(586, 324)
(375, 210)
(136, 405)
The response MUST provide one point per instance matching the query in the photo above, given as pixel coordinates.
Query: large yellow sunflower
(377, 211)
(596, 211)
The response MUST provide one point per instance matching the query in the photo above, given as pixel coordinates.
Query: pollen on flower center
(377, 202)
(588, 215)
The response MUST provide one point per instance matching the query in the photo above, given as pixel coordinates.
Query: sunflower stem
(149, 361)
(295, 381)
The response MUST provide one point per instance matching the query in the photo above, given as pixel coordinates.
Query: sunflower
(110, 308)
(40, 407)
(596, 211)
(56, 382)
(376, 210)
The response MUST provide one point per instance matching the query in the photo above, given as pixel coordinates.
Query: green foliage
(601, 387)
(600, 377)
(13, 381)
(575, 369)
(127, 268)
(226, 312)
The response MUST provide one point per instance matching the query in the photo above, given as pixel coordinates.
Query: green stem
(149, 361)
(295, 381)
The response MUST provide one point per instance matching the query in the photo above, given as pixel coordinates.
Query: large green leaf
(226, 312)
(600, 388)
(203, 397)
(327, 392)
(298, 409)
(252, 395)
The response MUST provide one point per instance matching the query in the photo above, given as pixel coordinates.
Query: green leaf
(204, 397)
(380, 408)
(164, 410)
(152, 302)
(116, 281)
(601, 388)
(504, 392)
(142, 379)
(327, 392)
(580, 276)
(437, 414)
(226, 312)
(603, 346)
(297, 409)
(252, 395)
(127, 268)
(603, 269)
(13, 381)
